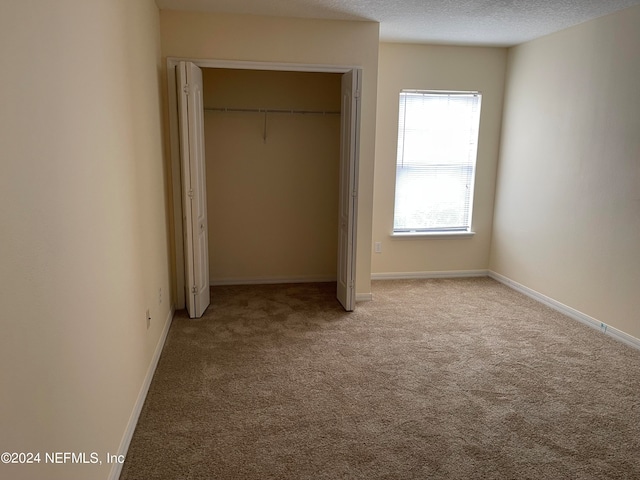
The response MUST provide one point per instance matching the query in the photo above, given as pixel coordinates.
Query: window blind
(436, 158)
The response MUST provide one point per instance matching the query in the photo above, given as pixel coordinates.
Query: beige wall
(287, 40)
(83, 225)
(426, 67)
(567, 219)
(272, 205)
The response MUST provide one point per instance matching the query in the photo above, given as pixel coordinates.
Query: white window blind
(435, 171)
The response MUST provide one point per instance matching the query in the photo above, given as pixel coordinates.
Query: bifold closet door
(348, 193)
(194, 191)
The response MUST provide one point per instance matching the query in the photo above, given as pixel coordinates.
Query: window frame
(440, 231)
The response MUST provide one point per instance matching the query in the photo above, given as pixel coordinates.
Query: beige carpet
(462, 379)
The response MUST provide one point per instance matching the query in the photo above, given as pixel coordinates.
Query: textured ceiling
(458, 22)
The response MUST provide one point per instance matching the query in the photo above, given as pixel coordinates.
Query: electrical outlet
(148, 318)
(377, 247)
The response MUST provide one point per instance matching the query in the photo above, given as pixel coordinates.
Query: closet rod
(271, 110)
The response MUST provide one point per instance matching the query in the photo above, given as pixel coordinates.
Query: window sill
(432, 234)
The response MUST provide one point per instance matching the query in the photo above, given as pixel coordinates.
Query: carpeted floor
(434, 379)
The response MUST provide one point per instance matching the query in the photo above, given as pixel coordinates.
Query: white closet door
(348, 201)
(194, 192)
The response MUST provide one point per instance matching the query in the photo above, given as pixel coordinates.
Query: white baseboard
(443, 274)
(272, 280)
(364, 297)
(360, 297)
(568, 311)
(116, 469)
(420, 275)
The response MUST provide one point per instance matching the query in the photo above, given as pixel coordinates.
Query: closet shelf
(272, 110)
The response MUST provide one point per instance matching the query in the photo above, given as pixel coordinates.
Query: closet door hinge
(354, 193)
(190, 193)
(194, 289)
(185, 89)
(356, 94)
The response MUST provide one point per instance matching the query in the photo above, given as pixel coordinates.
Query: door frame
(174, 142)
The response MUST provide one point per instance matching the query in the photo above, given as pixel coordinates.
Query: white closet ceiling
(456, 22)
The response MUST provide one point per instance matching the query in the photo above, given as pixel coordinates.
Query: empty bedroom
(320, 239)
(474, 357)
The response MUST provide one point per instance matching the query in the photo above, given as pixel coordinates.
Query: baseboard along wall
(568, 311)
(443, 274)
(271, 280)
(367, 297)
(364, 297)
(550, 302)
(116, 469)
(360, 297)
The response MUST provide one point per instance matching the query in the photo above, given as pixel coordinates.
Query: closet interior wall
(272, 179)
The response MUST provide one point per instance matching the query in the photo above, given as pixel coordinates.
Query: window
(435, 169)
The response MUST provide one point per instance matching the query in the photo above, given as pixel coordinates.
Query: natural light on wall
(435, 171)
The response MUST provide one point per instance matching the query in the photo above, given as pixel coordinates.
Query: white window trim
(444, 233)
(433, 234)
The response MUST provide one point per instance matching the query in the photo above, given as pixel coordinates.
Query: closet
(275, 163)
(272, 146)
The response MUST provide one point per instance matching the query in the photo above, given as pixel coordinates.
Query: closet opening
(272, 143)
(281, 147)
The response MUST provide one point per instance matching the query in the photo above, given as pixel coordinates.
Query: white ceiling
(456, 22)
